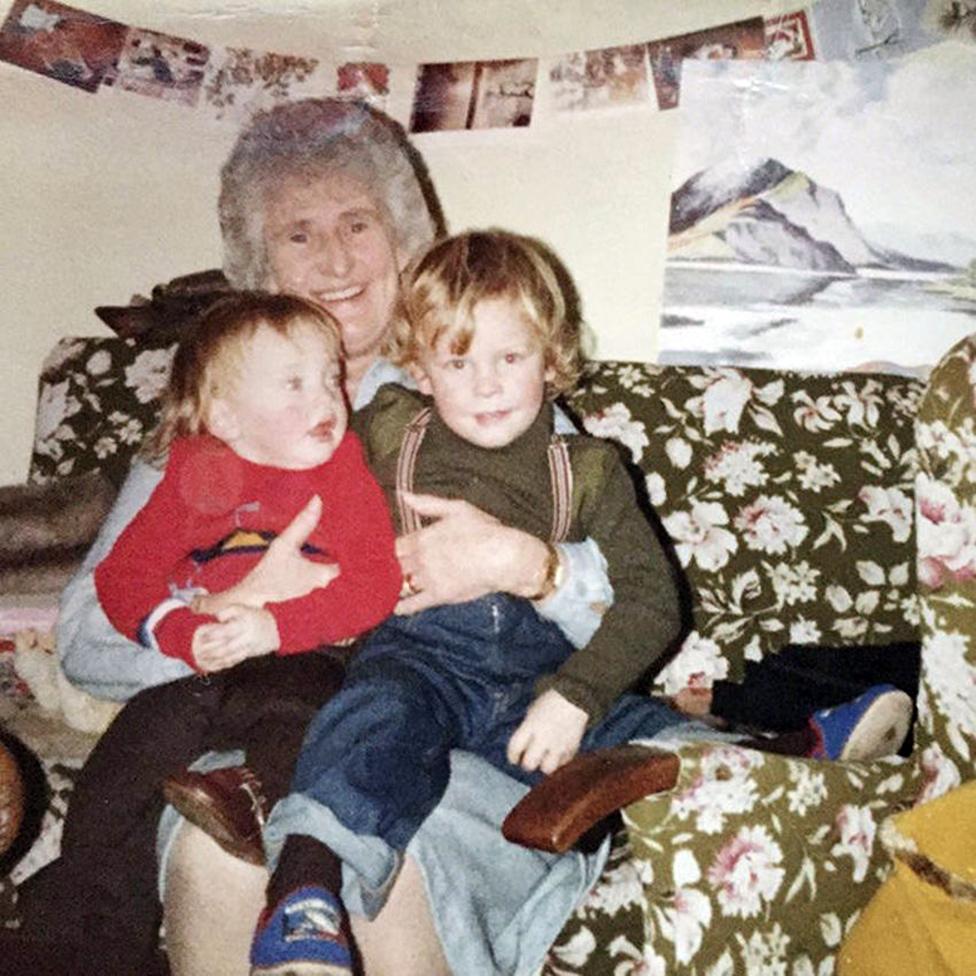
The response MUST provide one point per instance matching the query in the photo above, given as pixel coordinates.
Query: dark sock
(304, 861)
(802, 742)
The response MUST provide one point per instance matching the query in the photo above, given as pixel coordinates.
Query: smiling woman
(321, 199)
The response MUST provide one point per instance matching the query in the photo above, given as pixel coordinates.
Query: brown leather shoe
(11, 799)
(227, 804)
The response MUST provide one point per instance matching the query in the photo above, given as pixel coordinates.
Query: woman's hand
(550, 734)
(240, 632)
(283, 573)
(465, 554)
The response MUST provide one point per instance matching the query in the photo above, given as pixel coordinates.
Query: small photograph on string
(474, 95)
(595, 79)
(160, 66)
(744, 39)
(60, 42)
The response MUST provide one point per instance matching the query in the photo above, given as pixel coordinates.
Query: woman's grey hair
(321, 136)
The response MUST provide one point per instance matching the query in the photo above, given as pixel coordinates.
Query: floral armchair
(797, 506)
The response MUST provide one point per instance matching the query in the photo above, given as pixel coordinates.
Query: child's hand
(693, 702)
(549, 735)
(240, 632)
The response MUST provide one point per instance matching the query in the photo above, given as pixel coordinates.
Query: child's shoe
(303, 935)
(872, 725)
(225, 803)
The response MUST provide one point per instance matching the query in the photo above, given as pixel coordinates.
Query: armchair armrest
(555, 813)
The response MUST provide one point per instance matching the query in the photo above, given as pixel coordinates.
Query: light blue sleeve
(577, 607)
(94, 655)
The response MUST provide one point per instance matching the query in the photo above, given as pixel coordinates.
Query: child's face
(285, 408)
(491, 394)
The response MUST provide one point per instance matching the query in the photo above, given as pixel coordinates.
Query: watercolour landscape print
(824, 214)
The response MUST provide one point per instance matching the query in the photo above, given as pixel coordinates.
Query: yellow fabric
(913, 925)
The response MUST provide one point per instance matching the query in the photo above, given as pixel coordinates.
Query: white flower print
(637, 961)
(889, 505)
(149, 373)
(657, 490)
(952, 685)
(699, 664)
(794, 584)
(54, 406)
(678, 451)
(946, 534)
(746, 872)
(736, 468)
(810, 789)
(862, 401)
(723, 786)
(698, 535)
(804, 631)
(770, 524)
(577, 950)
(105, 446)
(838, 598)
(98, 362)
(813, 414)
(812, 475)
(940, 773)
(724, 400)
(60, 354)
(616, 422)
(857, 829)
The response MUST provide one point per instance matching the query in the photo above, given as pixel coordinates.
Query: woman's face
(327, 240)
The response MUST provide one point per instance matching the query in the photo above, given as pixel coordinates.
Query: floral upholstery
(791, 503)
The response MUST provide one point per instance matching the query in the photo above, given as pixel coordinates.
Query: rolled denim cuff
(577, 606)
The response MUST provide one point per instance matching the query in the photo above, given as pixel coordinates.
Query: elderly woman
(324, 199)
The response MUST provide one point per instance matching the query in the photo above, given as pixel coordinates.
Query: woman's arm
(465, 554)
(94, 655)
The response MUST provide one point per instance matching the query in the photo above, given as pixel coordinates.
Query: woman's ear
(222, 421)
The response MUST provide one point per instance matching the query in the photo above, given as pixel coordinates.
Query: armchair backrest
(788, 497)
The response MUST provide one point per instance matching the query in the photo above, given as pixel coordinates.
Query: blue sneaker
(872, 725)
(302, 936)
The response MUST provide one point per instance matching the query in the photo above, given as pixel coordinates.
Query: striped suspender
(406, 465)
(560, 478)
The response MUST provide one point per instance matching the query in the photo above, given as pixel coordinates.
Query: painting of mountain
(809, 229)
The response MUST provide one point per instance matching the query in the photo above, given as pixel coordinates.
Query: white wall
(105, 195)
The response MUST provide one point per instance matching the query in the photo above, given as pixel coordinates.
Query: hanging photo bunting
(788, 38)
(239, 81)
(160, 66)
(593, 79)
(745, 39)
(60, 42)
(474, 95)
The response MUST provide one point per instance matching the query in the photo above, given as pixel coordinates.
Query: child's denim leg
(632, 717)
(373, 765)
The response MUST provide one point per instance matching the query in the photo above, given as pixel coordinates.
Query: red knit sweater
(207, 493)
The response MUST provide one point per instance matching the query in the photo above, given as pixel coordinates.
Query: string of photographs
(90, 52)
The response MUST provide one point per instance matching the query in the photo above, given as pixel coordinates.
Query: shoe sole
(194, 805)
(881, 729)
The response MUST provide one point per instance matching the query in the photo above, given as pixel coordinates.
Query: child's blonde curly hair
(440, 291)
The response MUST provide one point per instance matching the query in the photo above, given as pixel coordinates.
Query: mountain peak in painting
(762, 212)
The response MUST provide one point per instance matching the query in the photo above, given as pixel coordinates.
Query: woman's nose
(334, 256)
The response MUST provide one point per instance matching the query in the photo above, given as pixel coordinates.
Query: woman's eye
(294, 383)
(298, 237)
(512, 357)
(456, 364)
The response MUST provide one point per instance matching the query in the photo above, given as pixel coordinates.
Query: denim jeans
(375, 761)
